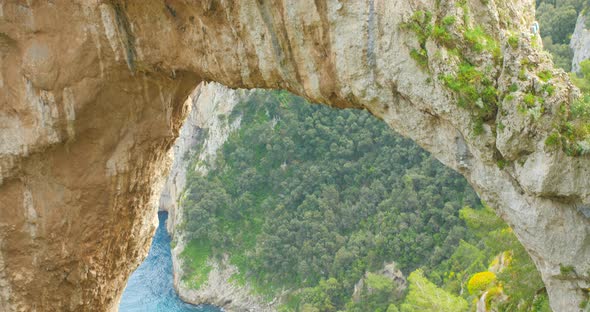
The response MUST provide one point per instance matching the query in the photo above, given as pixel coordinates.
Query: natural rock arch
(92, 98)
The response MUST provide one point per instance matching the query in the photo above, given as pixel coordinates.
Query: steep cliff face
(580, 42)
(93, 95)
(205, 130)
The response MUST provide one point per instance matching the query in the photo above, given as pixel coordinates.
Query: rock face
(219, 291)
(580, 42)
(205, 130)
(92, 97)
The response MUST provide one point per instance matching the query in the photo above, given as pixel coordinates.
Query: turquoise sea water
(150, 287)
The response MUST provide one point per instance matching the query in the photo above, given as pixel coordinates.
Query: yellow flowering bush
(480, 282)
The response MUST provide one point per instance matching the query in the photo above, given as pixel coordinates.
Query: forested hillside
(309, 199)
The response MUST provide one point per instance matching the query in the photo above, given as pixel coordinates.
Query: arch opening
(211, 123)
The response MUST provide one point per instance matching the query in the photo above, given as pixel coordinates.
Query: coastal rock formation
(205, 130)
(93, 95)
(580, 42)
(218, 290)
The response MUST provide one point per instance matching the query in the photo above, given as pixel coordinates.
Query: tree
(481, 281)
(392, 308)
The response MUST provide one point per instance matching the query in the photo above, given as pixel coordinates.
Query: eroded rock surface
(93, 95)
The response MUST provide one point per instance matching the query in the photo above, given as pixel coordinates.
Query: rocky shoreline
(218, 290)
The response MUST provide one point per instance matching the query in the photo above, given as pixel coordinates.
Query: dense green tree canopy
(312, 199)
(304, 190)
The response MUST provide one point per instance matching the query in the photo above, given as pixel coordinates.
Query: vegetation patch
(420, 24)
(426, 296)
(420, 56)
(480, 41)
(549, 89)
(545, 75)
(521, 286)
(194, 258)
(572, 131)
(475, 88)
(441, 32)
(513, 88)
(475, 91)
(502, 163)
(513, 41)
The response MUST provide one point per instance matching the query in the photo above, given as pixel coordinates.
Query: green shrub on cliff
(572, 133)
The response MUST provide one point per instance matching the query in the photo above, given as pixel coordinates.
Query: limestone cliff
(205, 130)
(580, 42)
(203, 133)
(92, 97)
